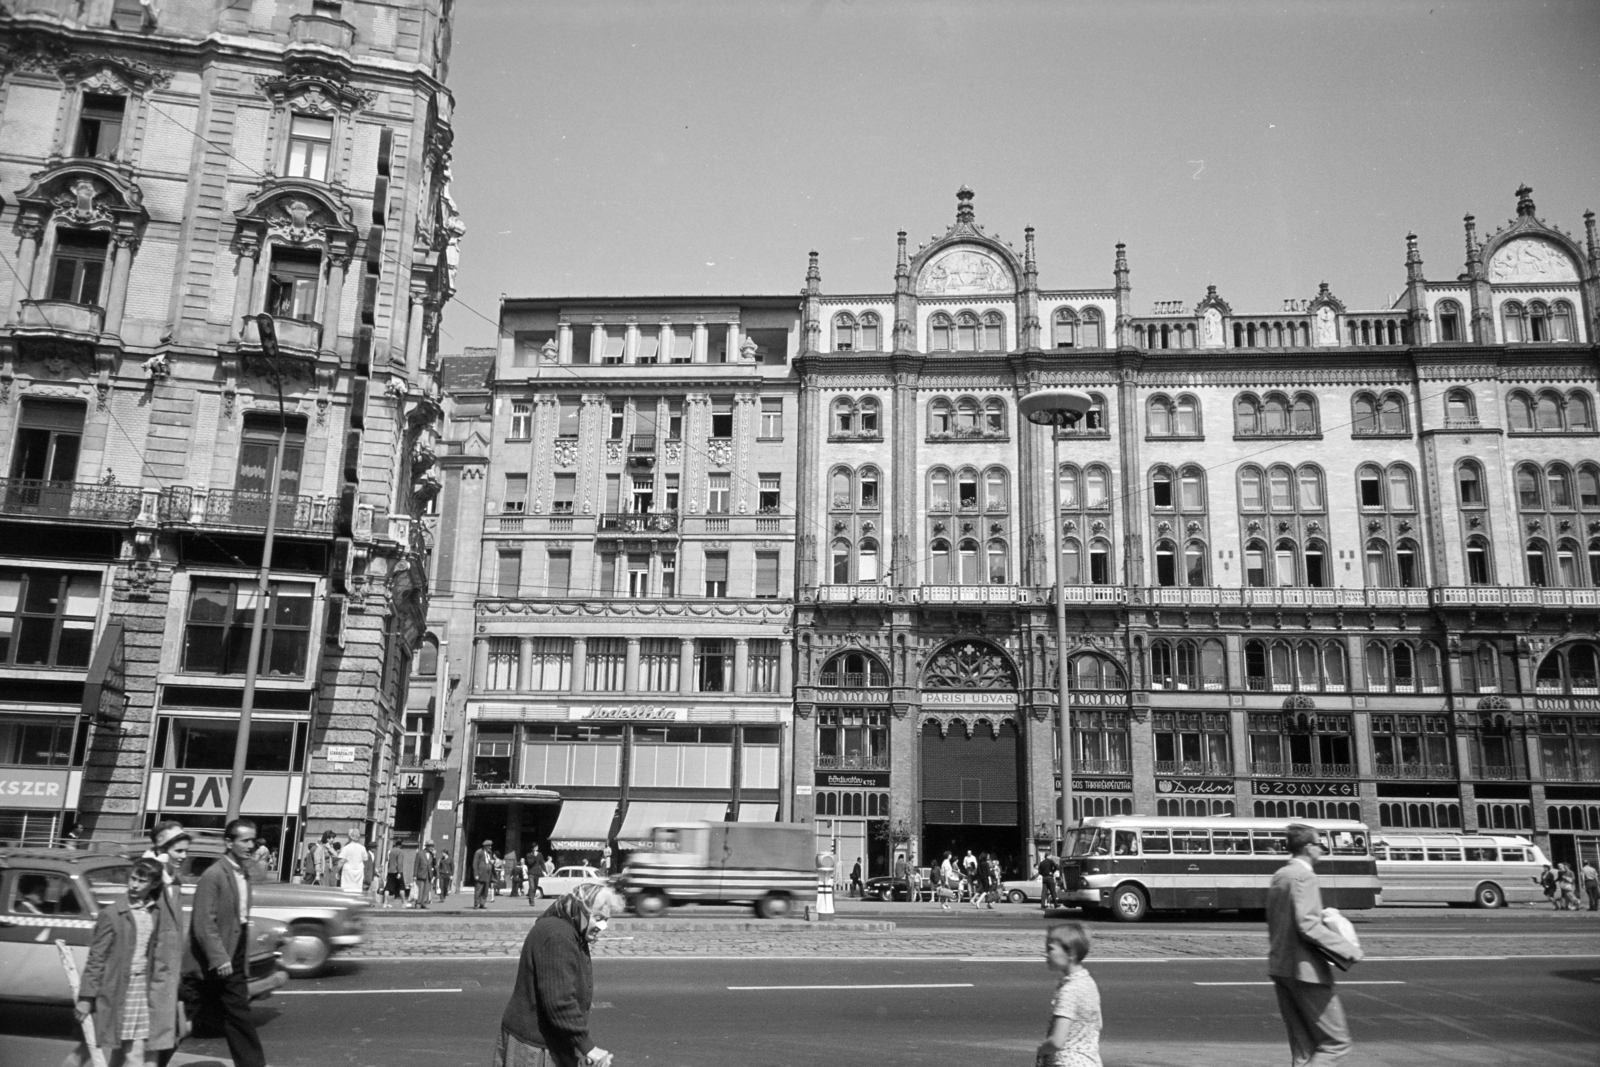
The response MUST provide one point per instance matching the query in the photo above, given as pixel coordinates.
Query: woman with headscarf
(546, 1021)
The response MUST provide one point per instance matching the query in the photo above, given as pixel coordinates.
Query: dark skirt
(395, 886)
(514, 1052)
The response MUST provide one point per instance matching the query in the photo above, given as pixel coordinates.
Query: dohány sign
(1195, 786)
(949, 696)
(1304, 789)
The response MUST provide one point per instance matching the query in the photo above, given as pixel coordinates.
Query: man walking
(1047, 880)
(422, 874)
(216, 968)
(482, 875)
(535, 872)
(447, 872)
(1296, 960)
(1591, 884)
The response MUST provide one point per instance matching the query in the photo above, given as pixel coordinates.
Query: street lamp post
(267, 329)
(1059, 409)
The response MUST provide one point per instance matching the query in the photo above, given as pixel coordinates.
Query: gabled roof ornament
(964, 213)
(1028, 263)
(1525, 201)
(902, 265)
(814, 274)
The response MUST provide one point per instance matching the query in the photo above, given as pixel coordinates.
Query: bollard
(824, 886)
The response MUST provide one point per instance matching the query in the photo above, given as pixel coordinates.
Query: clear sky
(703, 146)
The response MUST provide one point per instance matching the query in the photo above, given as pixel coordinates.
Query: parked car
(48, 894)
(886, 887)
(566, 879)
(1022, 890)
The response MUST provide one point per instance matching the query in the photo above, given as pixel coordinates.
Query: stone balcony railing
(1197, 768)
(1302, 770)
(1101, 766)
(239, 509)
(294, 335)
(1512, 596)
(639, 522)
(79, 501)
(78, 322)
(1498, 772)
(853, 763)
(321, 30)
(1413, 772)
(1283, 597)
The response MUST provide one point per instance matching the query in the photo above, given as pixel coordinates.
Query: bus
(1458, 869)
(1131, 865)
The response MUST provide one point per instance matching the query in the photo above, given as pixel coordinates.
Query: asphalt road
(912, 1012)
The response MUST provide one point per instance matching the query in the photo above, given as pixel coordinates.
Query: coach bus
(1131, 865)
(1458, 869)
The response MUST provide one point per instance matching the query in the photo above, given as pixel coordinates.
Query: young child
(1074, 1036)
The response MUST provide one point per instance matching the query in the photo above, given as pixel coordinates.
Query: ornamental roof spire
(902, 265)
(1525, 201)
(1028, 262)
(964, 211)
(813, 275)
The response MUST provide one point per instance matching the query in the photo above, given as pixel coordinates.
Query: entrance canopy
(583, 825)
(645, 815)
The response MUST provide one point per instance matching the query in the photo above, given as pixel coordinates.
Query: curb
(620, 925)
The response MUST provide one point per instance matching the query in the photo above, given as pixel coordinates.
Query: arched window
(997, 561)
(1064, 329)
(1519, 412)
(1255, 564)
(1161, 488)
(1406, 564)
(840, 556)
(995, 497)
(1558, 482)
(1303, 416)
(1091, 673)
(941, 418)
(1334, 666)
(1280, 666)
(1255, 666)
(844, 417)
(1316, 564)
(1097, 486)
(993, 334)
(1513, 323)
(1283, 562)
(941, 333)
(853, 670)
(1580, 412)
(968, 551)
(1547, 412)
(939, 562)
(1275, 414)
(967, 417)
(1159, 417)
(1447, 313)
(1538, 321)
(840, 482)
(1250, 494)
(1071, 498)
(1192, 489)
(1099, 562)
(1071, 562)
(867, 485)
(1378, 572)
(1561, 321)
(1567, 563)
(1537, 558)
(844, 332)
(938, 489)
(1309, 479)
(870, 332)
(1573, 669)
(867, 412)
(1529, 497)
(1166, 563)
(867, 561)
(1194, 563)
(1392, 414)
(1589, 487)
(966, 332)
(967, 489)
(1480, 669)
(1365, 414)
(427, 663)
(1401, 495)
(994, 417)
(1377, 667)
(1186, 417)
(1469, 483)
(1479, 571)
(1089, 329)
(1369, 486)
(1280, 484)
(1459, 408)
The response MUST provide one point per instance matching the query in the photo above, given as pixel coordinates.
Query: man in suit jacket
(482, 874)
(1300, 972)
(216, 969)
(422, 874)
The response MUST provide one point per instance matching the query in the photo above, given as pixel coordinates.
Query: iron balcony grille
(85, 501)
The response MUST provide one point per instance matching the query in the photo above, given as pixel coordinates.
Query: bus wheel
(1129, 904)
(649, 905)
(1488, 895)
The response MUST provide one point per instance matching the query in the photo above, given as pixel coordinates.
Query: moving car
(885, 887)
(566, 879)
(50, 894)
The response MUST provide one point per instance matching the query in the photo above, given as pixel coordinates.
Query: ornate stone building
(167, 172)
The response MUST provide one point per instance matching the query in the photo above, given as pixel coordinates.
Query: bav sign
(264, 794)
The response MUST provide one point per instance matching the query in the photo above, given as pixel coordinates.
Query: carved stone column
(27, 256)
(630, 667)
(741, 665)
(580, 660)
(123, 246)
(331, 307)
(686, 666)
(524, 662)
(248, 250)
(414, 335)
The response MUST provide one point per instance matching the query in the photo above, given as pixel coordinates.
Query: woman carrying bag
(130, 982)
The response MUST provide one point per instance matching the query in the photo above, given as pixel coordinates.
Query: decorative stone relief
(566, 453)
(1530, 259)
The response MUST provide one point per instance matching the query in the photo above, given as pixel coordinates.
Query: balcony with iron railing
(1414, 771)
(961, 595)
(864, 593)
(1566, 772)
(639, 522)
(77, 501)
(1102, 766)
(1302, 770)
(1498, 772)
(1196, 768)
(1283, 597)
(853, 762)
(240, 509)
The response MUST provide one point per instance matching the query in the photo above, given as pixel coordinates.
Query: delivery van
(771, 866)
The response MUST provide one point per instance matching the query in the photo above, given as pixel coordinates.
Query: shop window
(492, 755)
(194, 744)
(217, 629)
(37, 740)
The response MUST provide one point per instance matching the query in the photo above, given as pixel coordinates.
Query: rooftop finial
(813, 275)
(902, 265)
(1525, 200)
(964, 205)
(1027, 250)
(1589, 234)
(1413, 259)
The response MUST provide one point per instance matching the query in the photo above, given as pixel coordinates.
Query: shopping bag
(1334, 920)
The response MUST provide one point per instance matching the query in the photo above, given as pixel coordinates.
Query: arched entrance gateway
(972, 760)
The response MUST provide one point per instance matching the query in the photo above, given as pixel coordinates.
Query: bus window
(1088, 843)
(1268, 843)
(1126, 843)
(1231, 842)
(1513, 855)
(1444, 855)
(1191, 841)
(1155, 842)
(1380, 852)
(1349, 843)
(1481, 853)
(1398, 854)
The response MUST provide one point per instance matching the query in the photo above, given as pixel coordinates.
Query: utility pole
(267, 329)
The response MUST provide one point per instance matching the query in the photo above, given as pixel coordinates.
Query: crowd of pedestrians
(1560, 885)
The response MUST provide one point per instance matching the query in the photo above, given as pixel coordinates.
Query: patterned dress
(1077, 999)
(136, 1007)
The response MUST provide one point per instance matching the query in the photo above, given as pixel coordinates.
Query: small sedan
(885, 888)
(566, 879)
(1022, 890)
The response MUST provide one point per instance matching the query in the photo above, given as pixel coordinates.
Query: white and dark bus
(1131, 865)
(1458, 869)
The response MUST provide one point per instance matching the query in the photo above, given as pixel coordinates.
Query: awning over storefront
(758, 812)
(583, 824)
(645, 815)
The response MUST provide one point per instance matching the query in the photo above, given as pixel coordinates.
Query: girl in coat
(130, 982)
(546, 1021)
